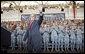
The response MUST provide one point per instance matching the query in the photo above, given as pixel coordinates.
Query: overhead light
(27, 8)
(56, 7)
(20, 8)
(70, 6)
(21, 11)
(34, 8)
(23, 8)
(59, 6)
(48, 7)
(14, 9)
(2, 9)
(62, 9)
(1, 12)
(78, 6)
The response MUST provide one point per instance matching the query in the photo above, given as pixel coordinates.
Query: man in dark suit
(5, 39)
(33, 35)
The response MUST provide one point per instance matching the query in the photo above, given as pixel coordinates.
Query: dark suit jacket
(34, 35)
(5, 37)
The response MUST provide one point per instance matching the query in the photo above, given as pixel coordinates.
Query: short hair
(33, 15)
(13, 28)
(44, 22)
(21, 27)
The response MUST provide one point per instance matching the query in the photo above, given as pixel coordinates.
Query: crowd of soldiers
(64, 35)
(56, 34)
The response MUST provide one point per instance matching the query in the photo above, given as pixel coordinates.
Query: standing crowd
(58, 35)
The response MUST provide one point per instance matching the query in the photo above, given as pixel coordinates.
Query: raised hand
(40, 8)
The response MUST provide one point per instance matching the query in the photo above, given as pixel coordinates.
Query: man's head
(78, 26)
(54, 25)
(33, 17)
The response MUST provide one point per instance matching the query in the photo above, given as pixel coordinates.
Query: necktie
(30, 26)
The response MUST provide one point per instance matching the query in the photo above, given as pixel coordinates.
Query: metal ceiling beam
(37, 2)
(15, 3)
(46, 3)
(18, 4)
